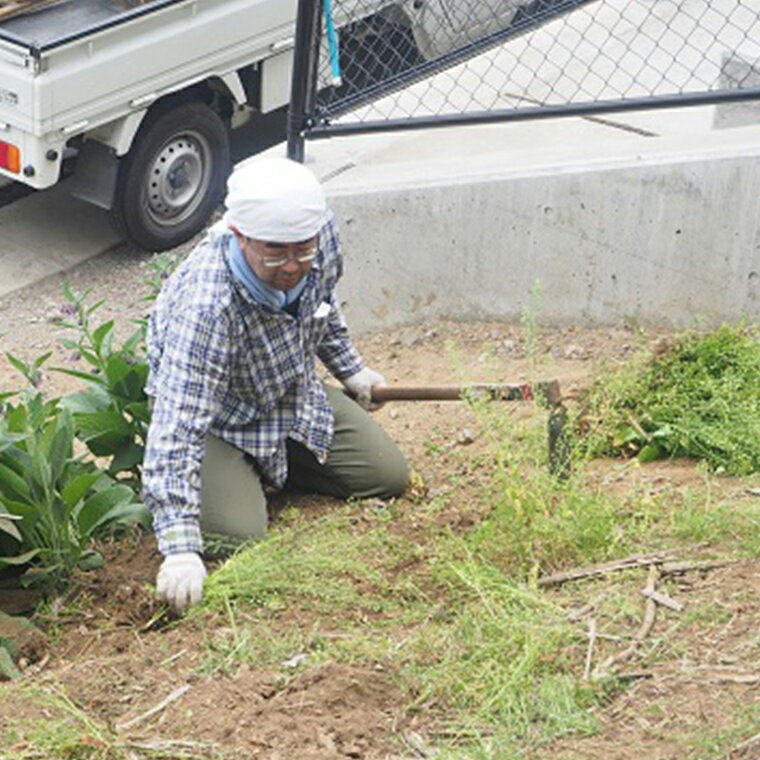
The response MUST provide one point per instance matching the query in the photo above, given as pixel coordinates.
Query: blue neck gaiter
(259, 290)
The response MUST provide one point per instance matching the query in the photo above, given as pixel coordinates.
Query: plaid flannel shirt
(224, 364)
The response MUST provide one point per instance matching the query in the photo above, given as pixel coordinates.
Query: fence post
(304, 81)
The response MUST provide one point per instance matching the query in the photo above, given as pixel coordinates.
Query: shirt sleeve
(190, 381)
(336, 350)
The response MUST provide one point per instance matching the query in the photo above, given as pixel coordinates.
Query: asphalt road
(47, 231)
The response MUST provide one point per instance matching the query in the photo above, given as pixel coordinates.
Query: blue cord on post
(332, 44)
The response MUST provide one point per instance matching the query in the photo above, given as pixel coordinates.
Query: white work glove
(180, 580)
(361, 385)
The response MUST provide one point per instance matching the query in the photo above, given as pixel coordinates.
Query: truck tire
(374, 50)
(173, 177)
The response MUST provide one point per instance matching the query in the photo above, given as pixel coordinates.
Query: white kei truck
(139, 97)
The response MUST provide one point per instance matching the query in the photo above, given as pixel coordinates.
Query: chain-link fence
(426, 62)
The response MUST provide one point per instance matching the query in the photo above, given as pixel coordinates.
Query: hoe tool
(546, 390)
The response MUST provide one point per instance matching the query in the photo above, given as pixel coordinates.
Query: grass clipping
(697, 397)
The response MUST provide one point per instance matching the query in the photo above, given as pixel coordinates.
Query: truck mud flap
(94, 180)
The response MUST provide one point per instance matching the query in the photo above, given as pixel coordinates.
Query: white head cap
(275, 199)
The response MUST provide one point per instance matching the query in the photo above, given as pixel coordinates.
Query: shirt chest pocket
(314, 326)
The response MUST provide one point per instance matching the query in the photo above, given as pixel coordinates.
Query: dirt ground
(110, 650)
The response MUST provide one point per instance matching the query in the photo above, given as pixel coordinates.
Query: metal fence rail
(427, 62)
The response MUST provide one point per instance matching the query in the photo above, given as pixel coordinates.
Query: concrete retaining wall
(668, 242)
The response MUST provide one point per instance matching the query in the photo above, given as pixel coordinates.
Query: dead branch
(636, 560)
(175, 695)
(635, 675)
(746, 678)
(574, 615)
(651, 609)
(724, 674)
(675, 568)
(416, 743)
(590, 650)
(606, 636)
(662, 599)
(650, 612)
(173, 657)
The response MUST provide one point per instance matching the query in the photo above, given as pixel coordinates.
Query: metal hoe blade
(546, 390)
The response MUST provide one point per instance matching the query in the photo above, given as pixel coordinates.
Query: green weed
(111, 413)
(537, 522)
(53, 504)
(487, 659)
(698, 398)
(463, 632)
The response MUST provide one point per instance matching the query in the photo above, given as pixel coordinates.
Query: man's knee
(384, 475)
(393, 475)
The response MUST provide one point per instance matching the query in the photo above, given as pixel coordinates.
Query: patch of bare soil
(334, 710)
(109, 647)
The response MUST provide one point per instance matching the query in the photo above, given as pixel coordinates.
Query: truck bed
(40, 26)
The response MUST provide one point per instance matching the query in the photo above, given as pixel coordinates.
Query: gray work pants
(363, 462)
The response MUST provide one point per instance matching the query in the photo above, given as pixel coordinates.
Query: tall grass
(500, 665)
(536, 522)
(700, 516)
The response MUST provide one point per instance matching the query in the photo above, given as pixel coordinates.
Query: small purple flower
(74, 356)
(68, 310)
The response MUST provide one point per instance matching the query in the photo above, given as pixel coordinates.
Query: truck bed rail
(48, 26)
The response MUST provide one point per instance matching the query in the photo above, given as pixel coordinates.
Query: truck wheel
(173, 178)
(374, 50)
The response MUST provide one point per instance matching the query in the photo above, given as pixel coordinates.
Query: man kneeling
(232, 343)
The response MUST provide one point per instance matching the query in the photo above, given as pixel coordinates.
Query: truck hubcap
(179, 178)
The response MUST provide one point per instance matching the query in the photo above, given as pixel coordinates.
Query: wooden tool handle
(546, 389)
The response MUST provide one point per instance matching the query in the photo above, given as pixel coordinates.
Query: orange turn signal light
(10, 157)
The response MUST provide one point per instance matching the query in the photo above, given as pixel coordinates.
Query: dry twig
(173, 657)
(575, 614)
(635, 675)
(721, 676)
(663, 599)
(674, 568)
(746, 678)
(590, 650)
(175, 695)
(636, 560)
(650, 612)
(416, 743)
